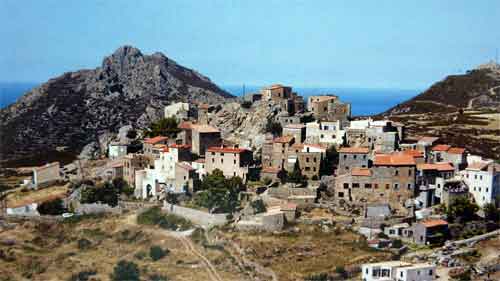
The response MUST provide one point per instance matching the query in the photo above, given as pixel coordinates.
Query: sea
(364, 101)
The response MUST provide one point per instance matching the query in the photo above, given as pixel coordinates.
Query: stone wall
(201, 218)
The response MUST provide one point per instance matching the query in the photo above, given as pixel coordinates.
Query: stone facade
(329, 108)
(203, 137)
(298, 131)
(329, 133)
(46, 175)
(133, 163)
(149, 144)
(186, 178)
(353, 157)
(230, 160)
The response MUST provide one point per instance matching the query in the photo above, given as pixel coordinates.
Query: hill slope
(81, 107)
(477, 89)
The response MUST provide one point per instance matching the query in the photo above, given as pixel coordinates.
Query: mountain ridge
(86, 106)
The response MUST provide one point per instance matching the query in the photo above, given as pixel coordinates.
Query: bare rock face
(86, 106)
(245, 126)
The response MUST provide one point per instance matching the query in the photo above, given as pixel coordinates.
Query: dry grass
(50, 251)
(293, 256)
(20, 198)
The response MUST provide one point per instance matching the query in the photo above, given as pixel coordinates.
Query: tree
(274, 128)
(54, 207)
(157, 253)
(296, 175)
(122, 186)
(131, 134)
(105, 193)
(491, 212)
(125, 270)
(461, 209)
(164, 127)
(329, 162)
(218, 193)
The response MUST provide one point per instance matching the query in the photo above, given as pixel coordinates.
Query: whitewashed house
(117, 150)
(483, 179)
(398, 271)
(330, 133)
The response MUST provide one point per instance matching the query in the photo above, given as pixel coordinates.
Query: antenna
(496, 55)
(244, 90)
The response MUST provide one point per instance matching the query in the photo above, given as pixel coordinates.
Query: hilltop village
(316, 164)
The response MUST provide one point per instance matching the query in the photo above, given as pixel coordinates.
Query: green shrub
(82, 275)
(157, 277)
(140, 255)
(125, 270)
(84, 244)
(397, 244)
(154, 216)
(156, 253)
(54, 207)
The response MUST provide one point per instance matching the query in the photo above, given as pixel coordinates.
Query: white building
(199, 166)
(116, 150)
(330, 133)
(398, 271)
(178, 110)
(483, 179)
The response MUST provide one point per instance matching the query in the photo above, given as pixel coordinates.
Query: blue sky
(367, 44)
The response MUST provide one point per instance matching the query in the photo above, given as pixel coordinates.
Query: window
(430, 272)
(234, 161)
(475, 177)
(213, 153)
(409, 186)
(364, 157)
(222, 160)
(325, 127)
(355, 185)
(346, 185)
(480, 177)
(401, 274)
(308, 168)
(345, 156)
(341, 194)
(354, 156)
(396, 172)
(307, 159)
(213, 160)
(409, 172)
(314, 169)
(396, 186)
(375, 186)
(368, 185)
(486, 189)
(387, 186)
(314, 160)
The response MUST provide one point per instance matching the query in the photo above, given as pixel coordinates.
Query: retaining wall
(201, 218)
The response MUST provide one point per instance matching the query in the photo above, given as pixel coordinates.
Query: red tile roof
(186, 125)
(185, 166)
(186, 146)
(355, 150)
(413, 152)
(364, 172)
(289, 207)
(456, 150)
(441, 147)
(155, 140)
(205, 128)
(442, 167)
(428, 139)
(394, 160)
(283, 139)
(226, 149)
(434, 222)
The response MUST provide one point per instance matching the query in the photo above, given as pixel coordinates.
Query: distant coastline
(365, 101)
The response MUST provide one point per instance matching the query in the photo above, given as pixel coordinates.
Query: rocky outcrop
(477, 89)
(245, 126)
(84, 108)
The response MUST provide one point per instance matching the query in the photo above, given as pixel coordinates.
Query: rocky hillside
(477, 89)
(84, 108)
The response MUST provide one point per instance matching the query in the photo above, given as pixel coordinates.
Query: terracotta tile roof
(185, 166)
(434, 222)
(363, 172)
(165, 149)
(441, 147)
(185, 146)
(413, 152)
(226, 149)
(155, 140)
(271, 170)
(297, 146)
(354, 150)
(456, 150)
(159, 146)
(315, 145)
(442, 167)
(205, 128)
(283, 139)
(186, 125)
(394, 160)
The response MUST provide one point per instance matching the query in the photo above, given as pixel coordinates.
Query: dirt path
(188, 245)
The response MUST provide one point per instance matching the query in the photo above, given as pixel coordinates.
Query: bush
(131, 134)
(84, 244)
(156, 253)
(164, 127)
(267, 181)
(341, 271)
(246, 104)
(154, 216)
(397, 244)
(125, 270)
(54, 207)
(274, 128)
(491, 212)
(106, 193)
(318, 277)
(140, 255)
(157, 277)
(82, 275)
(461, 209)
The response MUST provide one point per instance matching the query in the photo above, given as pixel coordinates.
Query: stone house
(453, 189)
(133, 163)
(203, 114)
(186, 178)
(309, 157)
(433, 176)
(199, 166)
(283, 95)
(232, 161)
(286, 119)
(399, 230)
(382, 136)
(279, 154)
(185, 136)
(483, 180)
(46, 175)
(252, 97)
(446, 153)
(325, 132)
(425, 145)
(430, 232)
(329, 108)
(353, 157)
(271, 173)
(298, 131)
(148, 146)
(203, 137)
(390, 180)
(267, 151)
